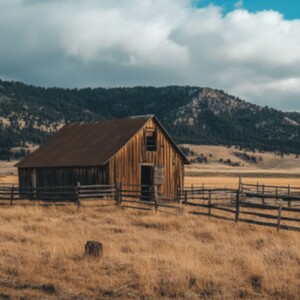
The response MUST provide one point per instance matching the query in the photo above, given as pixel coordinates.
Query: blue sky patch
(290, 8)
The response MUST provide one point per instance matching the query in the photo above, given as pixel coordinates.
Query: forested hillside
(29, 115)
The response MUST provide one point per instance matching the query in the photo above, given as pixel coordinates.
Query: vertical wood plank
(289, 193)
(185, 197)
(237, 206)
(77, 194)
(209, 203)
(118, 193)
(12, 195)
(279, 218)
(155, 195)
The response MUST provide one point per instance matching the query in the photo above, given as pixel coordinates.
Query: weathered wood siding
(125, 166)
(64, 176)
(25, 179)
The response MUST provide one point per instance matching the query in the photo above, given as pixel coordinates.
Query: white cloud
(152, 42)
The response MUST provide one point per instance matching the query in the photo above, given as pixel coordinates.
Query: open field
(249, 160)
(8, 173)
(148, 255)
(232, 182)
(145, 256)
(7, 167)
(269, 168)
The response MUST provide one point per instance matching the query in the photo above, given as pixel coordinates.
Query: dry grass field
(264, 161)
(8, 173)
(270, 168)
(146, 256)
(232, 182)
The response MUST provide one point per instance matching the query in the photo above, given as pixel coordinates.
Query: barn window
(151, 140)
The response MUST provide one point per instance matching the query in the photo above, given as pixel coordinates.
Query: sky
(248, 48)
(290, 9)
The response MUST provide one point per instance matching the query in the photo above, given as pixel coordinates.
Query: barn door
(146, 182)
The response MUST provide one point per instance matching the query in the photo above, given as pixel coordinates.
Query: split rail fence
(280, 204)
(131, 196)
(275, 206)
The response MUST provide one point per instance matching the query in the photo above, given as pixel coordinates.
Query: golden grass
(7, 167)
(146, 255)
(265, 161)
(232, 182)
(8, 180)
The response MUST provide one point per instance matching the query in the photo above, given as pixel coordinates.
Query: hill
(234, 158)
(194, 115)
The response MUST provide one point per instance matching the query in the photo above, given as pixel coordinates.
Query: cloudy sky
(249, 48)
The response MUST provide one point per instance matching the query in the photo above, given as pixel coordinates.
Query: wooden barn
(131, 151)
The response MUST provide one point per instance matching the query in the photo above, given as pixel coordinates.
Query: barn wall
(64, 176)
(25, 178)
(125, 166)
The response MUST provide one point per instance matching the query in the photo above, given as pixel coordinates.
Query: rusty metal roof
(86, 144)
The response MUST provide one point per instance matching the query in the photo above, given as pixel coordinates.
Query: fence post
(12, 195)
(209, 203)
(289, 193)
(185, 197)
(237, 206)
(118, 193)
(240, 182)
(35, 193)
(257, 188)
(279, 218)
(263, 191)
(231, 197)
(155, 196)
(77, 191)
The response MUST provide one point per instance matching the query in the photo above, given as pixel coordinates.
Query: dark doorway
(146, 182)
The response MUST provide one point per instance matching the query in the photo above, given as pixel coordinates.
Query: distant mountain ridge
(195, 115)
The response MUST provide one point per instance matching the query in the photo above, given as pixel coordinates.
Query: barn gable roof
(88, 144)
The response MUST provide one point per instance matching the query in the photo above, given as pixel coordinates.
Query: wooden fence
(134, 196)
(276, 206)
(270, 202)
(15, 194)
(271, 192)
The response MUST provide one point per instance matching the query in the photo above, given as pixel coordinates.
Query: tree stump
(93, 248)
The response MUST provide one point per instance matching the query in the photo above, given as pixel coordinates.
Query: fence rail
(277, 206)
(118, 194)
(251, 203)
